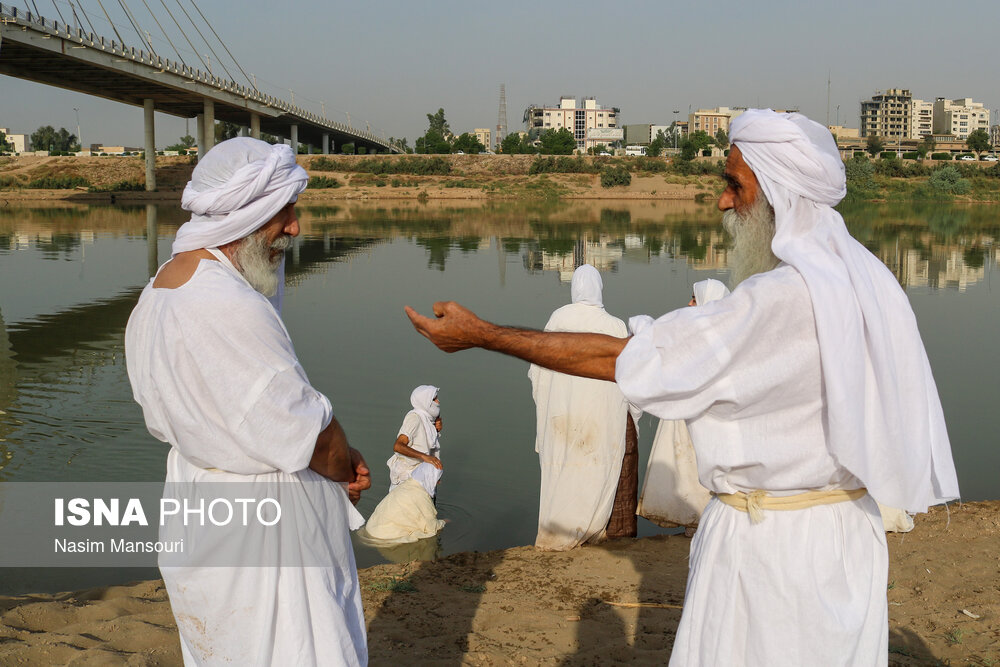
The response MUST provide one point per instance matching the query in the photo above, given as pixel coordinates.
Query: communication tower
(502, 116)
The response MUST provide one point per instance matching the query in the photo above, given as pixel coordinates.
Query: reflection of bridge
(42, 50)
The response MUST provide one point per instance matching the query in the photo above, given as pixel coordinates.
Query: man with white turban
(212, 366)
(808, 395)
(586, 439)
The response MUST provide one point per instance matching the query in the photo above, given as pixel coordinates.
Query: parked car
(988, 158)
(967, 158)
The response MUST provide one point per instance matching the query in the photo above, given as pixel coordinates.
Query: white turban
(707, 291)
(884, 416)
(586, 286)
(237, 187)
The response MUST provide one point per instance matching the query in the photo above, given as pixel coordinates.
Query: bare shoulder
(179, 270)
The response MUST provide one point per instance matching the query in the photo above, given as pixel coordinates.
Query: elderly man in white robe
(586, 438)
(212, 366)
(808, 395)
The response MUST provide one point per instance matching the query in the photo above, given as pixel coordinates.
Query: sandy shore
(609, 604)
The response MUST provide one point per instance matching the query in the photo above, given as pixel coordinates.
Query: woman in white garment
(418, 440)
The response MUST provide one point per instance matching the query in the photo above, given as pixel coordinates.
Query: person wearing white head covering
(580, 437)
(419, 438)
(808, 396)
(407, 512)
(213, 368)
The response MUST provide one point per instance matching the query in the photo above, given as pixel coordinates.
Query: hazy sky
(390, 62)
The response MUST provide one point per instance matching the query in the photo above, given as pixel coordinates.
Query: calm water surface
(70, 275)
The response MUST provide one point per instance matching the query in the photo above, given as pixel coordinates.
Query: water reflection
(70, 275)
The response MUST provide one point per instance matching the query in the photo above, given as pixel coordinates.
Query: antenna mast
(502, 116)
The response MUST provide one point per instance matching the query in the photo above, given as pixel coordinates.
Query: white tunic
(400, 467)
(803, 585)
(214, 370)
(580, 439)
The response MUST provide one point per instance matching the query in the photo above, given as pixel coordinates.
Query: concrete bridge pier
(150, 145)
(295, 138)
(200, 138)
(255, 125)
(326, 143)
(152, 238)
(209, 126)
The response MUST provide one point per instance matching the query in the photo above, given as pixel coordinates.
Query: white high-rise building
(575, 117)
(960, 117)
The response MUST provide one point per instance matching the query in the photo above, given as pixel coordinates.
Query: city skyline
(389, 63)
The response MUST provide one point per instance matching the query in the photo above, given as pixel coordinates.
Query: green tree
(435, 140)
(347, 149)
(468, 143)
(978, 142)
(226, 130)
(722, 139)
(46, 138)
(184, 143)
(875, 145)
(926, 146)
(657, 145)
(514, 144)
(5, 146)
(694, 144)
(437, 123)
(558, 142)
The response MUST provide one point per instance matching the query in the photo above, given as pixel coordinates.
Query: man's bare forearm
(331, 456)
(456, 328)
(584, 354)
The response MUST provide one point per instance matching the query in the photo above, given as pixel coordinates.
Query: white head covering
(237, 187)
(428, 477)
(883, 412)
(587, 286)
(422, 400)
(706, 291)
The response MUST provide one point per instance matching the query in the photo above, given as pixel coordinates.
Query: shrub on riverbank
(948, 180)
(412, 165)
(323, 182)
(120, 186)
(563, 165)
(614, 176)
(59, 183)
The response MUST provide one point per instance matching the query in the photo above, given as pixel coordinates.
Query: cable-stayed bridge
(53, 52)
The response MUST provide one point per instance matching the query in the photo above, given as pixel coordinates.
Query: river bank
(607, 604)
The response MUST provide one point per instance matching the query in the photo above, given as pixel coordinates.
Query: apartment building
(960, 117)
(577, 117)
(21, 143)
(995, 136)
(921, 119)
(484, 135)
(711, 121)
(888, 114)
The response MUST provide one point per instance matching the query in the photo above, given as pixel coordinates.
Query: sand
(607, 604)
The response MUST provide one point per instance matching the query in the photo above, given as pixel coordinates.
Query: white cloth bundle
(706, 291)
(237, 186)
(883, 412)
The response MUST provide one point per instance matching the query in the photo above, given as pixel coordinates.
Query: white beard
(253, 259)
(752, 234)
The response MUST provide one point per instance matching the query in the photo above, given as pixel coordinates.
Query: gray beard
(752, 233)
(252, 258)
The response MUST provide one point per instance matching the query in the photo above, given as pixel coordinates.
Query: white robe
(406, 514)
(580, 439)
(214, 370)
(802, 585)
(400, 467)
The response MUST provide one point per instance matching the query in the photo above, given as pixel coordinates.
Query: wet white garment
(744, 372)
(214, 370)
(884, 416)
(406, 514)
(580, 431)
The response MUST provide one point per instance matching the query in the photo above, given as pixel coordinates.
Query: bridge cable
(76, 17)
(223, 44)
(135, 25)
(89, 22)
(221, 62)
(184, 34)
(37, 13)
(111, 23)
(161, 28)
(59, 12)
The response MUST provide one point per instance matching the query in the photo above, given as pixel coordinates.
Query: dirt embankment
(597, 605)
(339, 177)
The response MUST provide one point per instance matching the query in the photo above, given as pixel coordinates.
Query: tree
(435, 140)
(5, 146)
(695, 144)
(437, 123)
(926, 146)
(558, 142)
(468, 143)
(657, 145)
(978, 142)
(875, 145)
(514, 144)
(183, 144)
(47, 138)
(722, 139)
(226, 130)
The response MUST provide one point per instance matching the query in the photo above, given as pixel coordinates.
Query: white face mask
(434, 409)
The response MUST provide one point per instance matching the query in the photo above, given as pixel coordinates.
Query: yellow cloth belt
(755, 502)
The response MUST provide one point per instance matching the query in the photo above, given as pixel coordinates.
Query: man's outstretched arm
(456, 328)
